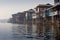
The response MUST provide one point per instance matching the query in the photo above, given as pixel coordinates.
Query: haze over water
(9, 7)
(10, 31)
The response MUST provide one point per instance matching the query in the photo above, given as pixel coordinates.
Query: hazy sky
(9, 7)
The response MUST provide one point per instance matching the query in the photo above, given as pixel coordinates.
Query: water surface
(10, 31)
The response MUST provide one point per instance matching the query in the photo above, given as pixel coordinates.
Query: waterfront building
(40, 13)
(52, 22)
(34, 18)
(11, 20)
(28, 17)
(19, 17)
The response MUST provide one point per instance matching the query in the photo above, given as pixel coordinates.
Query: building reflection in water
(34, 32)
(29, 29)
(18, 31)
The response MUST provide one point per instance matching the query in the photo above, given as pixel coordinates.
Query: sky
(9, 7)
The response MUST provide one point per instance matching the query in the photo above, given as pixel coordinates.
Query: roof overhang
(54, 7)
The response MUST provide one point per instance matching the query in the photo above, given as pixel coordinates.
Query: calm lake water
(10, 31)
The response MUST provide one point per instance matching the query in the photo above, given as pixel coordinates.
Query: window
(56, 1)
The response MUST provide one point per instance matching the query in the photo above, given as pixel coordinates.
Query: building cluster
(22, 17)
(45, 16)
(30, 15)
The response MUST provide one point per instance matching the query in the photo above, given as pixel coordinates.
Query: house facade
(40, 14)
(52, 21)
